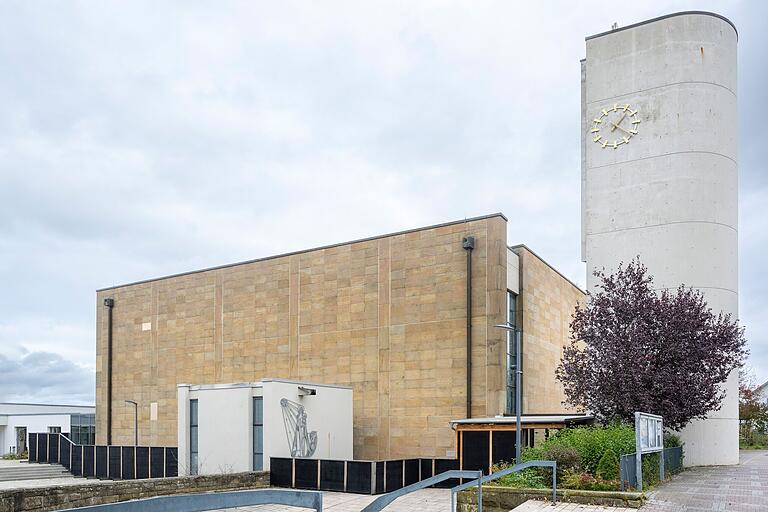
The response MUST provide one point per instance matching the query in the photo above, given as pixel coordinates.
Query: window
(511, 359)
(82, 428)
(54, 430)
(258, 433)
(193, 437)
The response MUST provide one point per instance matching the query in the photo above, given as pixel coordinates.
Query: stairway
(25, 471)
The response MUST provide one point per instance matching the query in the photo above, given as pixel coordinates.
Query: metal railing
(385, 499)
(493, 476)
(213, 501)
(673, 463)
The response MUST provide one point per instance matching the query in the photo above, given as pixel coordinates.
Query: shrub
(672, 440)
(592, 442)
(585, 481)
(608, 467)
(528, 478)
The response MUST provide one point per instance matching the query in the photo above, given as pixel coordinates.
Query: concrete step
(32, 472)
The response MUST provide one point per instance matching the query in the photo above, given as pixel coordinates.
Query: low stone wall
(503, 499)
(93, 492)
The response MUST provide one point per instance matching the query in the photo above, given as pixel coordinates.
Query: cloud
(45, 377)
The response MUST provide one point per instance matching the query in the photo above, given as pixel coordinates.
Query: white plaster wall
(329, 413)
(35, 423)
(225, 431)
(670, 195)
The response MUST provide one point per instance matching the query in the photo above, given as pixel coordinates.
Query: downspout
(469, 244)
(109, 303)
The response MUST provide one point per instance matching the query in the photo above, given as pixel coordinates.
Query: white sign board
(649, 430)
(649, 438)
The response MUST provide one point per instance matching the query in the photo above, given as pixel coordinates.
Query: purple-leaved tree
(633, 348)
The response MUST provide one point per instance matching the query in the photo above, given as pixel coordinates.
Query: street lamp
(135, 421)
(518, 372)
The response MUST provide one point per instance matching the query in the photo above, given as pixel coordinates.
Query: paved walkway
(742, 488)
(543, 506)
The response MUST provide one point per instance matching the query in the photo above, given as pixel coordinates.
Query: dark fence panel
(426, 468)
(443, 465)
(412, 472)
(89, 459)
(394, 475)
(65, 450)
(359, 477)
(156, 462)
(331, 475)
(475, 450)
(53, 448)
(42, 448)
(128, 463)
(32, 447)
(142, 462)
(77, 461)
(171, 462)
(503, 446)
(281, 472)
(113, 462)
(101, 462)
(673, 460)
(306, 473)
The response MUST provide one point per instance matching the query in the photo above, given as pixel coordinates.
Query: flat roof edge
(672, 15)
(46, 405)
(302, 251)
(523, 246)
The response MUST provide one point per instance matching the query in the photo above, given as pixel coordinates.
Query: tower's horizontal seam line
(664, 224)
(700, 288)
(663, 155)
(640, 91)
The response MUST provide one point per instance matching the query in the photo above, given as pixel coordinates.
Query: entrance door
(21, 439)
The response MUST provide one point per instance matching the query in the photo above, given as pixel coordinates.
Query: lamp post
(518, 392)
(135, 421)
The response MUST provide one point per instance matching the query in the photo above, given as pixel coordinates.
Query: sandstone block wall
(546, 305)
(386, 316)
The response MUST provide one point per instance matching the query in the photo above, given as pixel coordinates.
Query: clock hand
(620, 128)
(619, 121)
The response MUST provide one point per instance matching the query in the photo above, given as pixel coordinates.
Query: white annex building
(659, 173)
(226, 428)
(17, 421)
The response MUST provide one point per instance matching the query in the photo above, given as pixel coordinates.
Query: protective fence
(673, 463)
(358, 476)
(106, 462)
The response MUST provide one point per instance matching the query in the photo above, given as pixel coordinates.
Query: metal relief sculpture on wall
(301, 442)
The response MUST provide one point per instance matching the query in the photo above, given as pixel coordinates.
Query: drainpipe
(469, 244)
(109, 303)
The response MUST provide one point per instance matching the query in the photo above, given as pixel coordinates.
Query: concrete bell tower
(659, 173)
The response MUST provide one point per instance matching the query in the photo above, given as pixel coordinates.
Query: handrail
(384, 500)
(213, 501)
(493, 476)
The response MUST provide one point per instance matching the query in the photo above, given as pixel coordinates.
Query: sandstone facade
(385, 315)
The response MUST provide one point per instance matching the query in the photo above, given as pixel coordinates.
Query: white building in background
(17, 421)
(225, 428)
(659, 173)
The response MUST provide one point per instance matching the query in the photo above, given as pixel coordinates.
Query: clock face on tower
(615, 126)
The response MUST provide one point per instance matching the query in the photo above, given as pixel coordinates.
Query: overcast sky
(143, 139)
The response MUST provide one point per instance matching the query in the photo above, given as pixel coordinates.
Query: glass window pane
(258, 439)
(258, 411)
(193, 412)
